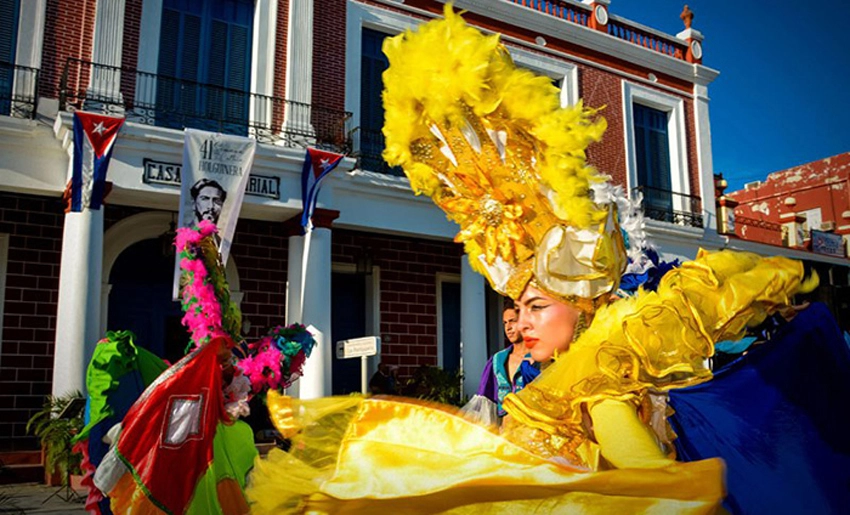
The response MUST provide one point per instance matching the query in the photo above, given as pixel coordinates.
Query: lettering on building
(159, 172)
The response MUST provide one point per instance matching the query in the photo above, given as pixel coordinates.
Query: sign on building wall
(827, 243)
(160, 172)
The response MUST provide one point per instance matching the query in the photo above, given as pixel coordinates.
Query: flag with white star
(94, 138)
(317, 165)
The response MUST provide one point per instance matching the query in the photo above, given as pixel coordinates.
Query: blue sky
(783, 95)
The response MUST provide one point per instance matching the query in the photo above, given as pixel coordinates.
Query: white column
(299, 67)
(262, 63)
(108, 45)
(317, 381)
(28, 53)
(473, 327)
(704, 161)
(78, 317)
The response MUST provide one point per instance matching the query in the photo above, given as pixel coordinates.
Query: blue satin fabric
(778, 416)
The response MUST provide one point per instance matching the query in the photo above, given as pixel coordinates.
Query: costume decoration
(179, 451)
(205, 295)
(490, 144)
(277, 360)
(181, 448)
(117, 375)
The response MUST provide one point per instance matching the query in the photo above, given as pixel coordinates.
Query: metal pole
(364, 375)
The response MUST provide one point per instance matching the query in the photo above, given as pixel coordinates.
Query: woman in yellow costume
(491, 146)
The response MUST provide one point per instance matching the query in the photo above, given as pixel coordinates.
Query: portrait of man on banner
(208, 197)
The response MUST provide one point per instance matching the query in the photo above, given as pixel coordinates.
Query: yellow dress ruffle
(356, 455)
(652, 342)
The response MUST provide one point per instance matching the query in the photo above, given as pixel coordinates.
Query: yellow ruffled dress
(371, 455)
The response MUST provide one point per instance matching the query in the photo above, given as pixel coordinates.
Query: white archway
(134, 229)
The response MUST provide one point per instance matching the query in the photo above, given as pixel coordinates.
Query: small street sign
(357, 347)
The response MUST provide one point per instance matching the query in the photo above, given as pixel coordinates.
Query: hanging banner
(213, 177)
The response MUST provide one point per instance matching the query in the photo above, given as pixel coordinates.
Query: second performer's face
(509, 318)
(546, 324)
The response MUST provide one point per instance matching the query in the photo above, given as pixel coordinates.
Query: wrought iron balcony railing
(671, 207)
(372, 145)
(164, 101)
(18, 90)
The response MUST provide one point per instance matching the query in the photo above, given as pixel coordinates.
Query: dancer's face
(546, 324)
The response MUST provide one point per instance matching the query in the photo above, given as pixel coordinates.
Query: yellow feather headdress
(491, 145)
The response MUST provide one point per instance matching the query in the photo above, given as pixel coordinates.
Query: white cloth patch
(185, 420)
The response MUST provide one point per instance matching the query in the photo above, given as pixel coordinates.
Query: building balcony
(18, 91)
(162, 101)
(670, 206)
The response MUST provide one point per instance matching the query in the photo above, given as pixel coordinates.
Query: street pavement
(27, 498)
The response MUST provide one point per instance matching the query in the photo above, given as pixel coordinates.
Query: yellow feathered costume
(490, 144)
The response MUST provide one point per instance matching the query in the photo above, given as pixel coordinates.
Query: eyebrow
(532, 299)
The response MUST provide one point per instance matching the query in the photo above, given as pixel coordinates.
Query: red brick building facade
(818, 191)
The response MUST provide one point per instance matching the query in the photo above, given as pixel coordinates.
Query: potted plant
(435, 384)
(55, 425)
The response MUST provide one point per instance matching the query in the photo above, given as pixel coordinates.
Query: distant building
(801, 212)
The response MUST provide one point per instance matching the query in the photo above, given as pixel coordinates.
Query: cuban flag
(94, 137)
(317, 165)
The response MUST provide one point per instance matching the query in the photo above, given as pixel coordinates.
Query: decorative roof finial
(687, 16)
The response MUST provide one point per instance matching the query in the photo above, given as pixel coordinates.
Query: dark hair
(203, 183)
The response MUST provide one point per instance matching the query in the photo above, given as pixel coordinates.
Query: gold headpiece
(490, 144)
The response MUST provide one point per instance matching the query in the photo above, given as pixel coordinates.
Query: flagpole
(305, 255)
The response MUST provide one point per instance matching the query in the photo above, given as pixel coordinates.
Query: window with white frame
(656, 151)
